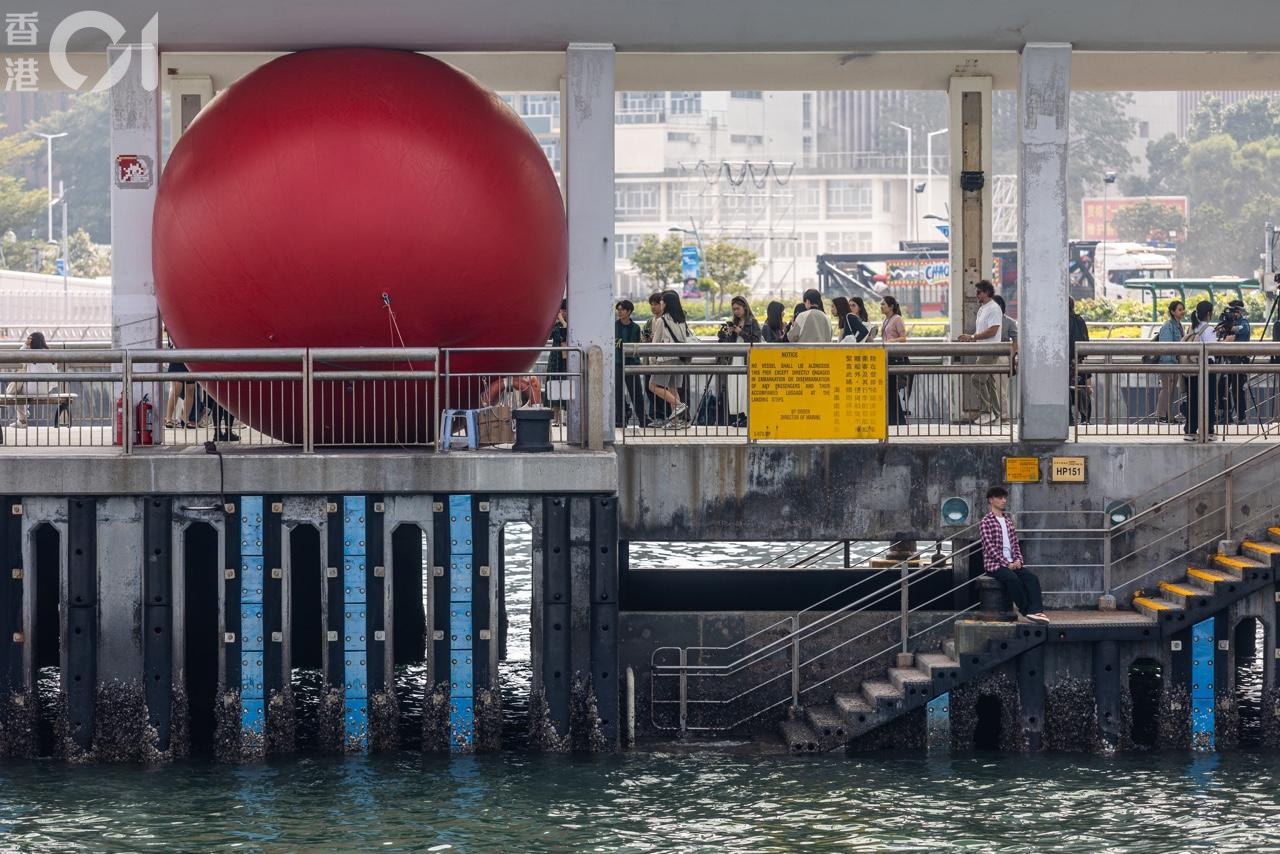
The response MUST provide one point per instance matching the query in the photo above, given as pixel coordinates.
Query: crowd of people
(662, 398)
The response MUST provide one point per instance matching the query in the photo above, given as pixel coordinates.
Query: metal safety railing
(1201, 390)
(932, 389)
(282, 397)
(1150, 538)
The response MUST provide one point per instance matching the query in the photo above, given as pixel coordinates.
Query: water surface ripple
(651, 802)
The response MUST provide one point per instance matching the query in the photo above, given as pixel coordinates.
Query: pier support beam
(1106, 690)
(80, 669)
(588, 171)
(1044, 95)
(157, 625)
(17, 695)
(1031, 696)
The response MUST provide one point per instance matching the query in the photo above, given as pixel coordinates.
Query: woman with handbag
(893, 329)
(852, 327)
(670, 328)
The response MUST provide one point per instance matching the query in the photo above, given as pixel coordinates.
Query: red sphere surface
(326, 178)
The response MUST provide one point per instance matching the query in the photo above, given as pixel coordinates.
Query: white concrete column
(1044, 94)
(587, 117)
(135, 164)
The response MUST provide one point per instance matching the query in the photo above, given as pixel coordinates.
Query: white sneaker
(1038, 617)
(680, 409)
(985, 419)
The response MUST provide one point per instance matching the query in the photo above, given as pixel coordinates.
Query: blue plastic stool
(470, 437)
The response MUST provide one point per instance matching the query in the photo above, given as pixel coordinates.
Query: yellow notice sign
(1067, 469)
(829, 393)
(1022, 469)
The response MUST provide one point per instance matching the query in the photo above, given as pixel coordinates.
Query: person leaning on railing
(1171, 333)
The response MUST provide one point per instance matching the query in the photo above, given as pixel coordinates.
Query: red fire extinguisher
(117, 433)
(144, 422)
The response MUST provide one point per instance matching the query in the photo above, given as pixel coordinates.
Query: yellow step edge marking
(1237, 562)
(1268, 548)
(1153, 604)
(1208, 575)
(1180, 589)
(1275, 531)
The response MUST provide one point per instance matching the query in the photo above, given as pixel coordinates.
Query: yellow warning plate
(822, 393)
(1022, 469)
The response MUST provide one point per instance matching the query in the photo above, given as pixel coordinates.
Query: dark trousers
(1022, 588)
(1192, 405)
(630, 396)
(1235, 391)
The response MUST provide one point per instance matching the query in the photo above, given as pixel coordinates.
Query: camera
(1226, 324)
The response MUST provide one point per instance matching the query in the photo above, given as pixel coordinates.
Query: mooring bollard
(993, 605)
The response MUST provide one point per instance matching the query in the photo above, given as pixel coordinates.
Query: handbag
(1151, 358)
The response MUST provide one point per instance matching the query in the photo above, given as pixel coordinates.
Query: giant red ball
(327, 178)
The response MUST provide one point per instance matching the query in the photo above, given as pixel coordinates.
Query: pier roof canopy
(853, 26)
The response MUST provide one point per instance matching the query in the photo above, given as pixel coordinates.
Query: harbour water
(665, 798)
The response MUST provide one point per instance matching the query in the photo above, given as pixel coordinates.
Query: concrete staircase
(977, 647)
(1207, 588)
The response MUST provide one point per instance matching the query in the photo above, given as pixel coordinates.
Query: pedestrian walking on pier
(853, 327)
(1235, 387)
(893, 330)
(671, 328)
(774, 330)
(1171, 333)
(1002, 557)
(987, 327)
(628, 388)
(1081, 405)
(811, 325)
(1203, 330)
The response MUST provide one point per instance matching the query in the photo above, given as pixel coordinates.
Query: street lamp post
(49, 138)
(702, 259)
(1108, 178)
(928, 147)
(911, 178)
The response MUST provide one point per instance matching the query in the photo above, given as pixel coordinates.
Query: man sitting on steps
(1002, 557)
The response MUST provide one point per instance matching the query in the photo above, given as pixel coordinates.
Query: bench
(63, 399)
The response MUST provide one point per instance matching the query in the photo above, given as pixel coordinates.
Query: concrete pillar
(970, 140)
(587, 117)
(1044, 94)
(135, 162)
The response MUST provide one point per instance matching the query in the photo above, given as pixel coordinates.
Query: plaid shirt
(993, 542)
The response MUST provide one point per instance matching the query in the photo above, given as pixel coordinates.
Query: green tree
(81, 161)
(658, 259)
(727, 265)
(1146, 221)
(1206, 120)
(1251, 120)
(19, 204)
(1100, 130)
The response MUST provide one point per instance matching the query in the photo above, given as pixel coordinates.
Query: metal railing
(1197, 390)
(695, 684)
(936, 385)
(301, 398)
(1151, 539)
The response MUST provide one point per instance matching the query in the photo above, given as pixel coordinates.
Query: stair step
(1274, 534)
(942, 668)
(827, 723)
(910, 681)
(798, 737)
(1266, 553)
(854, 709)
(1154, 606)
(948, 648)
(1240, 565)
(881, 694)
(1209, 576)
(1183, 593)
